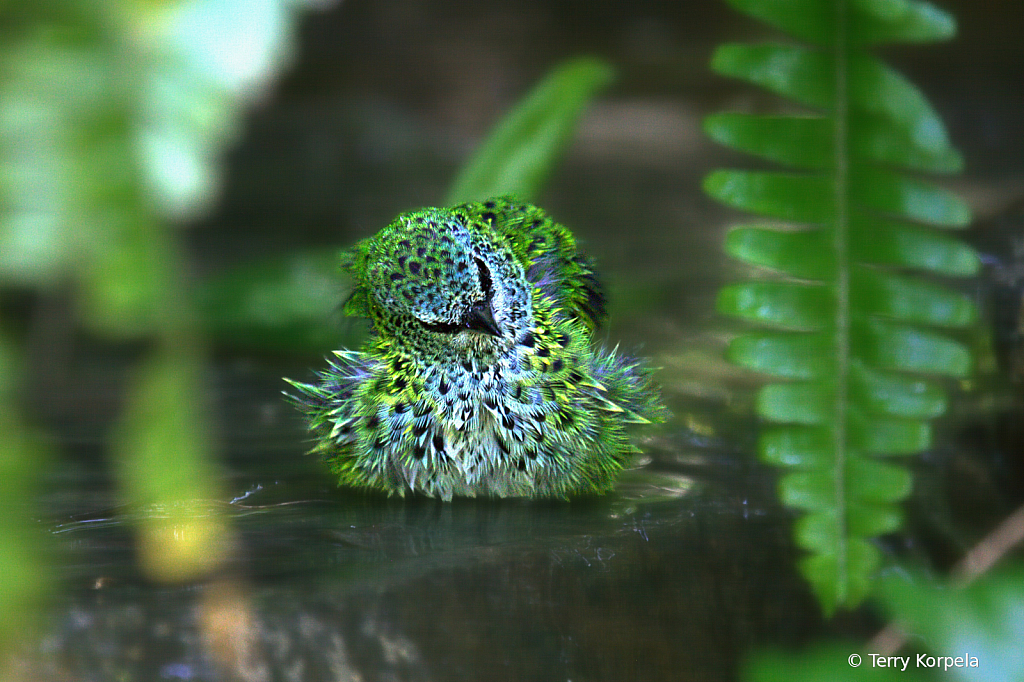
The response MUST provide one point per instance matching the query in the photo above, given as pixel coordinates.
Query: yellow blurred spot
(183, 544)
(698, 426)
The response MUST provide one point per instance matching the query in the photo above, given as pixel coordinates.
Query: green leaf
(870, 21)
(901, 197)
(884, 242)
(519, 154)
(883, 436)
(821, 531)
(789, 356)
(812, 491)
(897, 297)
(288, 303)
(797, 447)
(805, 254)
(908, 145)
(898, 395)
(840, 578)
(881, 99)
(904, 21)
(779, 304)
(890, 113)
(800, 402)
(801, 198)
(811, 20)
(860, 327)
(983, 621)
(802, 142)
(870, 520)
(908, 349)
(797, 72)
(872, 480)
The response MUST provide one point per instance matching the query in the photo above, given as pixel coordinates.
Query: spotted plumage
(480, 376)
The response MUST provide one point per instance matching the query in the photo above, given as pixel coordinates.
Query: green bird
(480, 375)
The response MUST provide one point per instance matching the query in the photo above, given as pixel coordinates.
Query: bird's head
(433, 279)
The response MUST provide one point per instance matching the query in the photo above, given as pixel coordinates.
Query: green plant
(524, 147)
(972, 634)
(113, 116)
(23, 559)
(854, 331)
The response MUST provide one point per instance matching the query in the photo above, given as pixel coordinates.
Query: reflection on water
(673, 577)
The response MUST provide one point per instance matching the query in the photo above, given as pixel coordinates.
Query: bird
(480, 375)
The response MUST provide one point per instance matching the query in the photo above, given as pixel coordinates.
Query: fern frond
(856, 334)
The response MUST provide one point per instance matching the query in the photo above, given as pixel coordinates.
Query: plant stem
(842, 282)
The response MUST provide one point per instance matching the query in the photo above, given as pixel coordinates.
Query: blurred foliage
(286, 303)
(165, 464)
(113, 116)
(520, 153)
(22, 559)
(984, 621)
(855, 329)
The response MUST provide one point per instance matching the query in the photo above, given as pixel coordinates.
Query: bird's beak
(481, 319)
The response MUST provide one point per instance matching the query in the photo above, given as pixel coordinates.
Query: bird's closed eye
(441, 327)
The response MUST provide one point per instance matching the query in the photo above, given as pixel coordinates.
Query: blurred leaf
(520, 152)
(113, 117)
(805, 254)
(796, 72)
(869, 21)
(808, 254)
(898, 395)
(163, 454)
(885, 294)
(907, 349)
(781, 304)
(803, 356)
(202, 60)
(23, 562)
(902, 197)
(855, 328)
(886, 242)
(854, 561)
(802, 142)
(984, 620)
(290, 303)
(798, 197)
